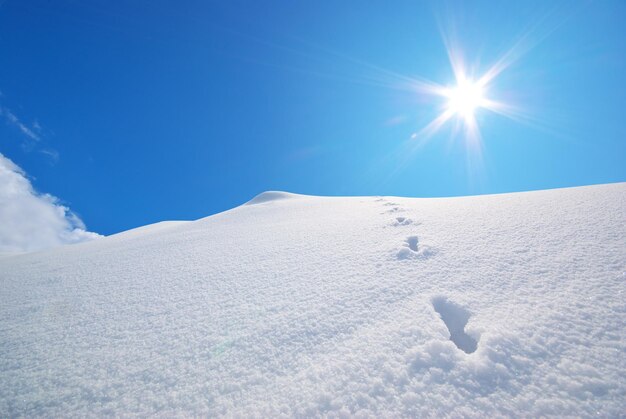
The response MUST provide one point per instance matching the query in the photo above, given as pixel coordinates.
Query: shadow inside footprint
(412, 242)
(455, 317)
(402, 221)
(413, 249)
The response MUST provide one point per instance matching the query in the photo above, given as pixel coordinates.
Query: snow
(270, 196)
(500, 305)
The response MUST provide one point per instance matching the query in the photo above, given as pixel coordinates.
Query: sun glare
(472, 91)
(465, 98)
(462, 100)
(469, 92)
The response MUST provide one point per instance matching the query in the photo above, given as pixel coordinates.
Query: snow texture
(487, 306)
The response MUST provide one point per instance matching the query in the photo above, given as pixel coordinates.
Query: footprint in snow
(455, 318)
(412, 249)
(402, 221)
(412, 242)
(393, 210)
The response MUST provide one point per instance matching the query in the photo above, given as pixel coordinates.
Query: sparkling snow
(300, 306)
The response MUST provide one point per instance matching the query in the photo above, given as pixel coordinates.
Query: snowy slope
(298, 306)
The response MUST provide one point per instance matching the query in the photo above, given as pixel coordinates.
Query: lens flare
(471, 92)
(462, 100)
(465, 98)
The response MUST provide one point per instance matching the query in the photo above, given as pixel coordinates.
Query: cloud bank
(31, 221)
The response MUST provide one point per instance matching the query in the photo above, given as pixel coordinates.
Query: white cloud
(32, 135)
(31, 221)
(14, 120)
(52, 154)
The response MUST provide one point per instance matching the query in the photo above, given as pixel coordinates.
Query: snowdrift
(294, 305)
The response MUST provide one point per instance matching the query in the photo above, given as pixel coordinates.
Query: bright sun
(462, 100)
(465, 98)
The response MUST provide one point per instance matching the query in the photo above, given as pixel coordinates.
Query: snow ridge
(269, 196)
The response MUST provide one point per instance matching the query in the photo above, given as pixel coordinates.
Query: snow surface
(370, 306)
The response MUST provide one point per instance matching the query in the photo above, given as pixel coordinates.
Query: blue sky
(137, 112)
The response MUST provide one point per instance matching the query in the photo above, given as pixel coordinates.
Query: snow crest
(269, 196)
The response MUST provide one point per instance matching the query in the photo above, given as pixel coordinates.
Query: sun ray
(429, 130)
(470, 93)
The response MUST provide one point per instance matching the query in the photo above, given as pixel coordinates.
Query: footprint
(393, 210)
(455, 317)
(402, 221)
(412, 241)
(412, 248)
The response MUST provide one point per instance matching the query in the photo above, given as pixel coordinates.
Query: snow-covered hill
(294, 305)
